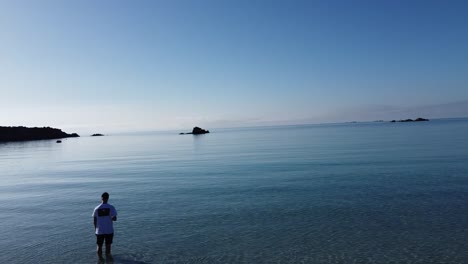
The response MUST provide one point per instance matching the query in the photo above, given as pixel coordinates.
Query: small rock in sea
(59, 141)
(420, 119)
(196, 131)
(97, 135)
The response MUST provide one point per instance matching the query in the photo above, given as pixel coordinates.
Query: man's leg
(99, 242)
(109, 239)
(99, 249)
(108, 249)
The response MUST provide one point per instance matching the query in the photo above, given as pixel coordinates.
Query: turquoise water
(344, 193)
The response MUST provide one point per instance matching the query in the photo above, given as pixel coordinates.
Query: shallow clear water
(345, 193)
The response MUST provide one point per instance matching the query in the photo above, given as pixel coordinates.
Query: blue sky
(110, 66)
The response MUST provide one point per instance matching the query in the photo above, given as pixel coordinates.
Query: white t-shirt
(104, 213)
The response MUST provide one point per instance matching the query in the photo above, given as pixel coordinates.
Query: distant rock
(59, 141)
(196, 131)
(419, 119)
(34, 133)
(97, 135)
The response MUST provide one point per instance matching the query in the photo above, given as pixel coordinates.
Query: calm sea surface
(345, 193)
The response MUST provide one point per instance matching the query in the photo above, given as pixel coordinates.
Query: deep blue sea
(336, 193)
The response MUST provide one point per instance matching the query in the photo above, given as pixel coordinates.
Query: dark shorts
(108, 237)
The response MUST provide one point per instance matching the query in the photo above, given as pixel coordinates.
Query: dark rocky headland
(32, 133)
(196, 131)
(419, 119)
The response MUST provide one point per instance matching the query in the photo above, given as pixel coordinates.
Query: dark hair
(105, 196)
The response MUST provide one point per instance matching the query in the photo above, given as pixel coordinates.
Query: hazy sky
(109, 66)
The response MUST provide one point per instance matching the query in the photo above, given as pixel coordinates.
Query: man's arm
(95, 222)
(114, 214)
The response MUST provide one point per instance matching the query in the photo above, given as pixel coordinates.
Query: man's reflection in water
(108, 260)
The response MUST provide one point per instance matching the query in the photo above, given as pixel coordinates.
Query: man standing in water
(104, 215)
